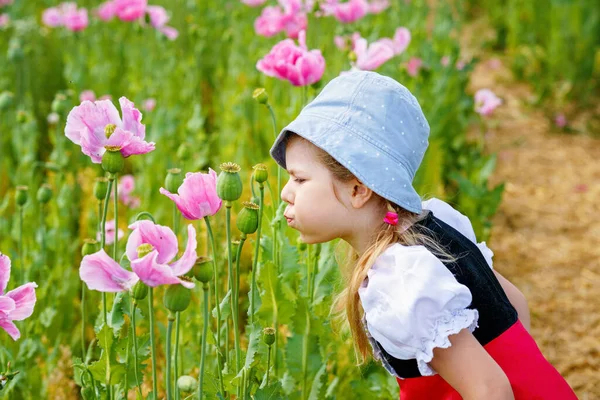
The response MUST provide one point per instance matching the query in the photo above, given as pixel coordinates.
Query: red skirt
(531, 376)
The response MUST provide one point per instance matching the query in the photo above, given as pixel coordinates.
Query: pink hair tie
(391, 218)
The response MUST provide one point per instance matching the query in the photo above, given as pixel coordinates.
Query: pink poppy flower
(153, 269)
(378, 6)
(100, 272)
(371, 57)
(486, 102)
(560, 120)
(106, 11)
(110, 233)
(170, 32)
(17, 304)
(52, 17)
(105, 97)
(5, 2)
(149, 104)
(130, 10)
(413, 66)
(76, 20)
(290, 17)
(399, 42)
(270, 21)
(445, 61)
(461, 64)
(87, 122)
(4, 20)
(347, 12)
(197, 196)
(131, 201)
(296, 64)
(126, 185)
(253, 3)
(88, 95)
(341, 42)
(158, 16)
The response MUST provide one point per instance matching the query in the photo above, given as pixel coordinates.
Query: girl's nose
(286, 194)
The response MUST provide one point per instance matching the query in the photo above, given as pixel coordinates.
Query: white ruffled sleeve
(458, 221)
(412, 303)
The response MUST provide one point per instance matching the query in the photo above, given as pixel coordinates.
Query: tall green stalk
(236, 316)
(152, 342)
(203, 344)
(135, 351)
(236, 333)
(20, 279)
(171, 318)
(104, 306)
(256, 253)
(176, 374)
(116, 242)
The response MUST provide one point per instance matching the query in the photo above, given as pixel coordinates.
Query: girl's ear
(360, 193)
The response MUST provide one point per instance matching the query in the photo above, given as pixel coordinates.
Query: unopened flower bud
(21, 195)
(44, 193)
(100, 188)
(144, 249)
(187, 384)
(269, 336)
(113, 161)
(261, 173)
(247, 220)
(183, 152)
(6, 100)
(90, 246)
(261, 95)
(177, 297)
(173, 180)
(229, 183)
(300, 244)
(22, 117)
(59, 104)
(202, 270)
(139, 291)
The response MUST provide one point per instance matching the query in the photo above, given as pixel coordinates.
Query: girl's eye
(299, 180)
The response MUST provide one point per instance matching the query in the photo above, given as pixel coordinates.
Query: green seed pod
(173, 180)
(183, 152)
(113, 161)
(90, 246)
(247, 220)
(269, 336)
(22, 117)
(59, 104)
(187, 384)
(44, 193)
(109, 130)
(144, 249)
(100, 188)
(139, 291)
(229, 183)
(300, 244)
(177, 298)
(6, 100)
(202, 270)
(261, 95)
(21, 195)
(261, 173)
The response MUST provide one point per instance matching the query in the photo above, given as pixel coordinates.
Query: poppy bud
(173, 180)
(183, 152)
(261, 173)
(261, 95)
(187, 384)
(22, 117)
(90, 246)
(100, 188)
(229, 183)
(21, 195)
(113, 161)
(44, 193)
(247, 220)
(269, 336)
(177, 298)
(139, 291)
(202, 270)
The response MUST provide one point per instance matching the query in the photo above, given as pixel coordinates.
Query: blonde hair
(346, 306)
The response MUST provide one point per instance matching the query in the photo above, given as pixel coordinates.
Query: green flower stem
(171, 318)
(236, 316)
(102, 243)
(83, 351)
(43, 236)
(135, 351)
(268, 364)
(256, 253)
(203, 344)
(176, 375)
(277, 199)
(116, 242)
(20, 279)
(216, 284)
(145, 214)
(315, 270)
(305, 355)
(175, 220)
(152, 342)
(232, 282)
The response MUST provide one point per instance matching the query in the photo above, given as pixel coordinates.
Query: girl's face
(313, 208)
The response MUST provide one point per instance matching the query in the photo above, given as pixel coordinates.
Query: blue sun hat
(373, 126)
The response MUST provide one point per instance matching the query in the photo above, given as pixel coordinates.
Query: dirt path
(546, 235)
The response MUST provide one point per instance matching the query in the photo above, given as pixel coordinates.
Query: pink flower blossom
(87, 122)
(253, 3)
(149, 104)
(290, 17)
(399, 42)
(153, 269)
(461, 64)
(296, 64)
(560, 120)
(126, 185)
(445, 61)
(76, 20)
(158, 16)
(5, 2)
(105, 97)
(486, 102)
(100, 272)
(371, 56)
(130, 10)
(106, 11)
(341, 42)
(4, 20)
(17, 304)
(269, 22)
(197, 196)
(52, 17)
(170, 32)
(347, 12)
(378, 6)
(88, 95)
(110, 233)
(413, 66)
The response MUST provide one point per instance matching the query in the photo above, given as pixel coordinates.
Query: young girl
(421, 291)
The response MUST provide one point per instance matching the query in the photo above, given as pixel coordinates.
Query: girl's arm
(470, 370)
(517, 299)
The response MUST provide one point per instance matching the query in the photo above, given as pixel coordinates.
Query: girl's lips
(289, 220)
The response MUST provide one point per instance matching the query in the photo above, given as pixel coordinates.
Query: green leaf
(116, 316)
(224, 307)
(273, 300)
(317, 391)
(47, 316)
(488, 168)
(271, 392)
(98, 368)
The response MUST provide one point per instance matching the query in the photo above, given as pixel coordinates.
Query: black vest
(496, 314)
